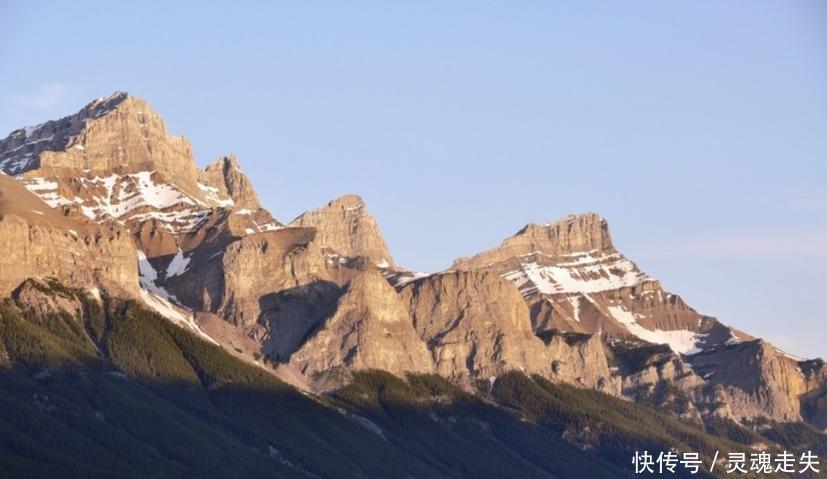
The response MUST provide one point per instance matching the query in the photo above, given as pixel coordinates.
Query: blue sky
(699, 130)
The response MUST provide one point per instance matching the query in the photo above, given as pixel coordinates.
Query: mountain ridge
(323, 293)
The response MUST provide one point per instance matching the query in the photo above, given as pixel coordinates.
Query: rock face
(29, 296)
(581, 359)
(265, 263)
(758, 379)
(475, 324)
(345, 227)
(226, 176)
(370, 329)
(572, 235)
(656, 375)
(814, 401)
(39, 242)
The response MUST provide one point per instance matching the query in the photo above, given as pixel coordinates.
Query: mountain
(172, 289)
(575, 281)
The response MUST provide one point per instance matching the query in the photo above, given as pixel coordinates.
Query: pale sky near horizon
(698, 129)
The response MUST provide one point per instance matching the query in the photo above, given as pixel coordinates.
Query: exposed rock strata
(95, 191)
(345, 227)
(370, 329)
(38, 242)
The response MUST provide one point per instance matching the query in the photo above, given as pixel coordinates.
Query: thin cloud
(807, 203)
(796, 203)
(748, 245)
(45, 95)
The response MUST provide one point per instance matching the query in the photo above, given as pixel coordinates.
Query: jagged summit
(572, 235)
(115, 160)
(574, 279)
(119, 133)
(20, 151)
(102, 105)
(345, 227)
(225, 174)
(349, 200)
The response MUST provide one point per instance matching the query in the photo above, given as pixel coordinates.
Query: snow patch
(128, 197)
(31, 130)
(733, 339)
(95, 292)
(790, 356)
(587, 274)
(160, 300)
(406, 278)
(39, 184)
(178, 265)
(575, 307)
(213, 195)
(681, 341)
(268, 227)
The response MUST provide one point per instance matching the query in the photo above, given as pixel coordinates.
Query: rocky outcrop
(345, 227)
(656, 375)
(814, 401)
(226, 176)
(265, 263)
(571, 235)
(758, 379)
(581, 359)
(370, 329)
(29, 296)
(39, 242)
(475, 324)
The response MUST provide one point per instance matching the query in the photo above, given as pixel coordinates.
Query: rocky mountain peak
(570, 236)
(105, 104)
(114, 159)
(115, 133)
(226, 175)
(345, 227)
(20, 151)
(347, 202)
